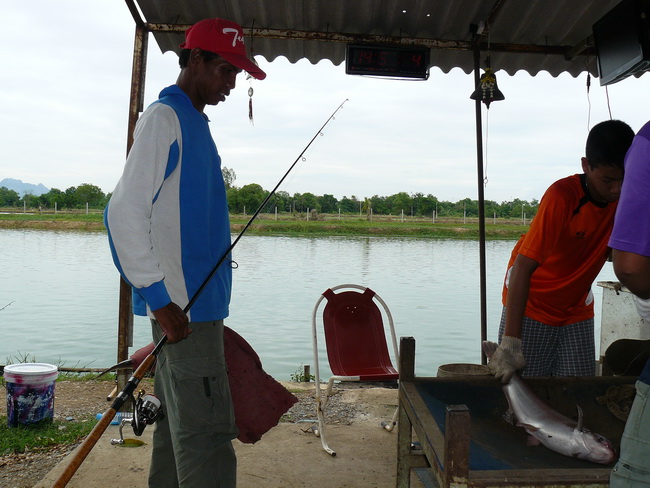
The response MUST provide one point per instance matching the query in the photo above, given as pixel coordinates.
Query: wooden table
(463, 441)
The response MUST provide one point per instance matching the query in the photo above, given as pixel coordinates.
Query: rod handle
(84, 449)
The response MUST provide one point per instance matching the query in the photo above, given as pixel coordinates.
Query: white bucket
(30, 392)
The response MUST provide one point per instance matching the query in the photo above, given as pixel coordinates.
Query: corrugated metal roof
(530, 35)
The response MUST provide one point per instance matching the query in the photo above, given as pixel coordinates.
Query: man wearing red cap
(168, 226)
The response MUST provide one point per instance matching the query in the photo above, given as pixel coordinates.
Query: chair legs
(320, 411)
(321, 403)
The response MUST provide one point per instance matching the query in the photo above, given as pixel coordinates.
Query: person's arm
(508, 357)
(128, 218)
(173, 321)
(518, 288)
(128, 214)
(633, 271)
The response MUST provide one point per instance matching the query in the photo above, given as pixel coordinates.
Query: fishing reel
(146, 411)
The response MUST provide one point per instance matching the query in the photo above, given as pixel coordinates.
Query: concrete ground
(288, 456)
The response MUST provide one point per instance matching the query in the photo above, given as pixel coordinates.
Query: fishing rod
(127, 392)
(259, 209)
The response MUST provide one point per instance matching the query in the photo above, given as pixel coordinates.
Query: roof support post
(136, 102)
(481, 196)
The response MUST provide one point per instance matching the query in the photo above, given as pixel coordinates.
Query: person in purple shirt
(630, 243)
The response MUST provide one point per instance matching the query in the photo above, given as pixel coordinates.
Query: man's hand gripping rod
(84, 449)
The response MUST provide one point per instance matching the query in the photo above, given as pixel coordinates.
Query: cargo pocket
(203, 397)
(625, 476)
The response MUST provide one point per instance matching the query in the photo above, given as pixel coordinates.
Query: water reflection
(63, 291)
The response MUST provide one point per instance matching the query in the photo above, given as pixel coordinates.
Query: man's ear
(586, 167)
(196, 56)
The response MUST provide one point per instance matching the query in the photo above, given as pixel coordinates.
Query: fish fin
(529, 428)
(579, 427)
(532, 441)
(509, 417)
(489, 347)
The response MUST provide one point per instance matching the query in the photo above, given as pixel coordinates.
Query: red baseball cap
(225, 38)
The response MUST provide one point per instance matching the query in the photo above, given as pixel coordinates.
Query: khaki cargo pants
(192, 443)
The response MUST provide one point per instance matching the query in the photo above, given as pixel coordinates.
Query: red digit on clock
(365, 57)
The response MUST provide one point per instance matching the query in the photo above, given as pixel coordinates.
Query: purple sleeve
(632, 224)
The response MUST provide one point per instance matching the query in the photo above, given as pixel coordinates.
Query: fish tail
(489, 347)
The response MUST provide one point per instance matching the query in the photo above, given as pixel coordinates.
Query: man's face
(217, 78)
(604, 182)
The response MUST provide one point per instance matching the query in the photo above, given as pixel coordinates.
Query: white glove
(507, 359)
(643, 308)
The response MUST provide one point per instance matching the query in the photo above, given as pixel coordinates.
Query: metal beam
(135, 13)
(342, 37)
(580, 48)
(481, 204)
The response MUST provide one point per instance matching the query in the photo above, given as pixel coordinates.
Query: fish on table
(549, 427)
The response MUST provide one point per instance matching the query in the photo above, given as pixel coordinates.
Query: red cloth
(258, 399)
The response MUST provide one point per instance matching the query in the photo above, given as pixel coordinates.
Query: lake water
(59, 290)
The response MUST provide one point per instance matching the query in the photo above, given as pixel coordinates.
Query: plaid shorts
(568, 350)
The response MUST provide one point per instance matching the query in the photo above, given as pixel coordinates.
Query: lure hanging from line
(250, 105)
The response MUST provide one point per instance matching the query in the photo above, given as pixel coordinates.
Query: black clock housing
(387, 60)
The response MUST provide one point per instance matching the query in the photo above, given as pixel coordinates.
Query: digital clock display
(396, 61)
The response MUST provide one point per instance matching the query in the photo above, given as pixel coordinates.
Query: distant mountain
(24, 188)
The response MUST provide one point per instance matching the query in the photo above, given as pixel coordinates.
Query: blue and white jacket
(167, 219)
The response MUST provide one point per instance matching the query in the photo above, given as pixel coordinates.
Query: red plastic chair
(355, 337)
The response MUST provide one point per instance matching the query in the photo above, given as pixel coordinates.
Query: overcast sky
(65, 91)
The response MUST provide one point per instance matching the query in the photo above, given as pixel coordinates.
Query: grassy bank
(299, 225)
(54, 221)
(43, 435)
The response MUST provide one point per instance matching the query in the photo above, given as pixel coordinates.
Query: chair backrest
(355, 335)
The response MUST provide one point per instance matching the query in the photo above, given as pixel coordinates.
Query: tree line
(75, 197)
(248, 198)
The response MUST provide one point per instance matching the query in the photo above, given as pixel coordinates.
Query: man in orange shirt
(547, 324)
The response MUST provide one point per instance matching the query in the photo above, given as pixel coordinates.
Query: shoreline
(295, 226)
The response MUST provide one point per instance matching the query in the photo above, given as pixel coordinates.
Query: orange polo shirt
(568, 238)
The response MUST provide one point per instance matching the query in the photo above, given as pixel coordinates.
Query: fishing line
(259, 209)
(487, 126)
(270, 208)
(302, 160)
